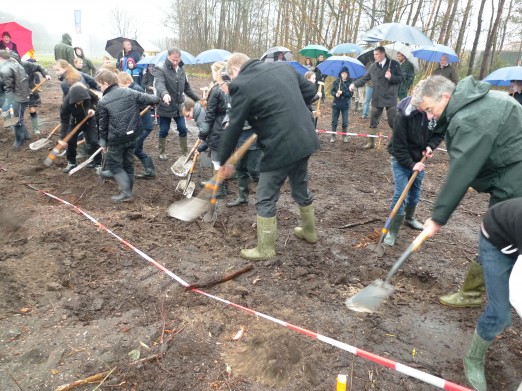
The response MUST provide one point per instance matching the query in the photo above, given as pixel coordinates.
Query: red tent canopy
(21, 36)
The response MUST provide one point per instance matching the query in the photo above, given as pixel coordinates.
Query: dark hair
(6, 34)
(106, 76)
(174, 50)
(380, 49)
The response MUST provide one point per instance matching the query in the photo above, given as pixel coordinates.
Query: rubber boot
(470, 295)
(161, 146)
(266, 238)
(105, 174)
(410, 218)
(393, 231)
(333, 137)
(307, 230)
(474, 363)
(371, 141)
(20, 133)
(345, 137)
(125, 187)
(34, 123)
(149, 169)
(242, 189)
(223, 190)
(183, 145)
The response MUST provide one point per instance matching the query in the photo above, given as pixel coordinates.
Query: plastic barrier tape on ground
(404, 369)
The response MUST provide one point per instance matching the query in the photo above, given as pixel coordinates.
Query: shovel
(90, 159)
(51, 157)
(181, 167)
(379, 246)
(187, 186)
(38, 86)
(38, 144)
(191, 209)
(319, 84)
(369, 298)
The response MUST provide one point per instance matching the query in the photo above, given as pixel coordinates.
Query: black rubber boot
(148, 165)
(223, 190)
(125, 186)
(20, 135)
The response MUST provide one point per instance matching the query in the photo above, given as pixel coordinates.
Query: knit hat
(131, 61)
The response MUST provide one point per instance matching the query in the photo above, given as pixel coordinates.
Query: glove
(202, 147)
(202, 136)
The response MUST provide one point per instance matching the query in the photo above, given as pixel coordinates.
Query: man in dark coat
(386, 76)
(126, 53)
(171, 87)
(64, 50)
(287, 136)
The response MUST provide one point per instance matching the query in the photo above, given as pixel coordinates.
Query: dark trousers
(120, 157)
(270, 182)
(376, 114)
(138, 149)
(90, 133)
(248, 165)
(164, 125)
(335, 116)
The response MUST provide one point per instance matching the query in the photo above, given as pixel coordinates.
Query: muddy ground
(75, 302)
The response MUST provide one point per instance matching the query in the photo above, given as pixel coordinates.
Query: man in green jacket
(408, 71)
(64, 50)
(484, 141)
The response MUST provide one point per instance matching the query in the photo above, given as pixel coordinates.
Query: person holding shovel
(31, 70)
(341, 103)
(286, 134)
(414, 136)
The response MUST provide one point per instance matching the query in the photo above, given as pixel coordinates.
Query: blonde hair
(124, 78)
(216, 68)
(71, 75)
(236, 59)
(308, 75)
(187, 105)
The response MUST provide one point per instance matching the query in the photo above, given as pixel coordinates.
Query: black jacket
(502, 225)
(75, 106)
(118, 114)
(215, 113)
(279, 116)
(412, 133)
(344, 100)
(15, 81)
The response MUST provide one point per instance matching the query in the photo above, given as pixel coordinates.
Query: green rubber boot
(266, 238)
(307, 230)
(34, 123)
(474, 362)
(161, 146)
(410, 218)
(371, 140)
(471, 293)
(395, 226)
(183, 145)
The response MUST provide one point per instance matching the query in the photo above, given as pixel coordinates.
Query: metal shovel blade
(181, 167)
(186, 187)
(377, 248)
(369, 298)
(189, 209)
(39, 144)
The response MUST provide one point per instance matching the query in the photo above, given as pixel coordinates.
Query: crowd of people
(482, 129)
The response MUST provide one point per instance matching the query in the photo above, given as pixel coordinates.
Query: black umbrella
(115, 46)
(366, 56)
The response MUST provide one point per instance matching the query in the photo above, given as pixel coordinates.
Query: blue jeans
(335, 116)
(164, 126)
(497, 269)
(401, 176)
(366, 107)
(138, 149)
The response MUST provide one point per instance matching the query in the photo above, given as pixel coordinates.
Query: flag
(78, 21)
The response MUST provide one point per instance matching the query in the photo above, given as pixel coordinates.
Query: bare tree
(492, 38)
(123, 24)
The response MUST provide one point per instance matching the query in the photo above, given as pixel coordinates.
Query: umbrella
(145, 61)
(396, 32)
(503, 76)
(21, 36)
(212, 55)
(271, 53)
(186, 57)
(332, 66)
(314, 51)
(393, 48)
(115, 46)
(346, 48)
(366, 56)
(432, 53)
(300, 68)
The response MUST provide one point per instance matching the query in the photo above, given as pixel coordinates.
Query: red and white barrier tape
(351, 134)
(409, 371)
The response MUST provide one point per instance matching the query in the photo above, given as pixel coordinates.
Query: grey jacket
(15, 81)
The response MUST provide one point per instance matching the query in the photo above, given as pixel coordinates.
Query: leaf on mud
(25, 310)
(134, 354)
(228, 368)
(55, 371)
(144, 345)
(413, 353)
(239, 334)
(256, 280)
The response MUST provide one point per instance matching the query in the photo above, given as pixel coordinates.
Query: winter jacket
(198, 115)
(408, 71)
(215, 113)
(279, 116)
(343, 101)
(448, 72)
(147, 82)
(15, 81)
(84, 78)
(123, 59)
(502, 226)
(146, 121)
(412, 133)
(517, 96)
(64, 50)
(118, 114)
(385, 92)
(30, 69)
(484, 142)
(88, 66)
(12, 49)
(76, 104)
(168, 81)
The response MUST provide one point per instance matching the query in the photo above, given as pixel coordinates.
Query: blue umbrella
(396, 32)
(503, 76)
(346, 48)
(186, 57)
(212, 55)
(314, 51)
(433, 53)
(145, 61)
(300, 68)
(332, 66)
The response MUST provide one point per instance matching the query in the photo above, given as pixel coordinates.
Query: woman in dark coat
(34, 99)
(7, 44)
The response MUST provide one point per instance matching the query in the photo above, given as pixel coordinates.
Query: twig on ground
(87, 380)
(105, 378)
(351, 225)
(287, 237)
(226, 278)
(18, 384)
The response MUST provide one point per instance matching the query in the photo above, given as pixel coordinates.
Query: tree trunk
(473, 53)
(492, 37)
(462, 30)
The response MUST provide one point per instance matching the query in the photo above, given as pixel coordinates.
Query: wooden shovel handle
(144, 111)
(54, 131)
(405, 191)
(76, 128)
(38, 86)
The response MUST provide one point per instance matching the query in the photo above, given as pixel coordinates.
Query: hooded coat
(30, 69)
(64, 50)
(484, 142)
(75, 106)
(215, 114)
(88, 66)
(343, 101)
